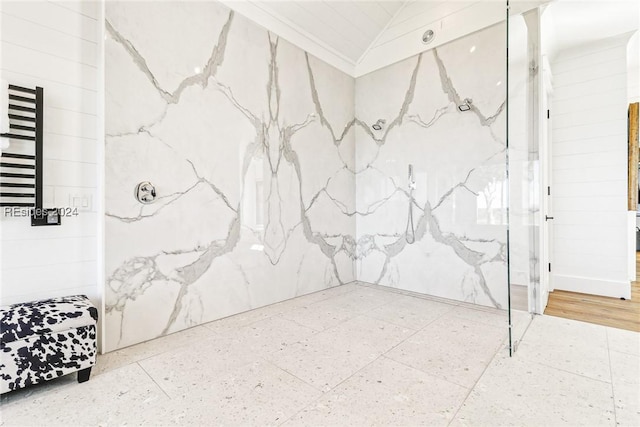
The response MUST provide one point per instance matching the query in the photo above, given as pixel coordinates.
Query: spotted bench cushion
(46, 339)
(50, 315)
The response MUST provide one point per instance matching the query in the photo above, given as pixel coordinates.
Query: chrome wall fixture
(428, 36)
(466, 105)
(379, 124)
(145, 192)
(410, 231)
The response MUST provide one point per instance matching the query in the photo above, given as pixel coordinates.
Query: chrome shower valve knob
(145, 192)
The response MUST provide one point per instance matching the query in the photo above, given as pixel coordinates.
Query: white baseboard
(585, 285)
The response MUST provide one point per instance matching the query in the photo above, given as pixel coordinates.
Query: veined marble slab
(250, 142)
(458, 158)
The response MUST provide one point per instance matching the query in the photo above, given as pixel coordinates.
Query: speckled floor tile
(625, 375)
(177, 371)
(255, 394)
(451, 348)
(385, 393)
(329, 357)
(363, 299)
(230, 324)
(574, 346)
(116, 359)
(180, 372)
(122, 396)
(410, 312)
(517, 392)
(624, 341)
(482, 315)
(272, 334)
(319, 316)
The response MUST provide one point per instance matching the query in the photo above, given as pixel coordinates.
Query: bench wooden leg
(83, 375)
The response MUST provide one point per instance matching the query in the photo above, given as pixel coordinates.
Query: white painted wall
(633, 95)
(55, 45)
(633, 68)
(589, 147)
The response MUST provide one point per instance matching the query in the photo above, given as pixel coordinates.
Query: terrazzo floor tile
(362, 332)
(122, 396)
(363, 299)
(571, 345)
(320, 315)
(255, 394)
(623, 341)
(269, 335)
(229, 325)
(410, 312)
(625, 375)
(328, 293)
(517, 392)
(451, 348)
(329, 357)
(116, 359)
(483, 315)
(385, 393)
(182, 371)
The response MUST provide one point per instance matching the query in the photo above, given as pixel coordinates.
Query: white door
(546, 200)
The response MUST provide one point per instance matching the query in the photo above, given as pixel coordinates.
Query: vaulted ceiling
(360, 36)
(348, 27)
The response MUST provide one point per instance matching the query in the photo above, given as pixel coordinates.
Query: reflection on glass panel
(492, 197)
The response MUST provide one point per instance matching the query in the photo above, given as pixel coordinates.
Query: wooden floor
(621, 314)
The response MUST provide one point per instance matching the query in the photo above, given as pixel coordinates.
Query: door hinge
(548, 114)
(548, 190)
(549, 267)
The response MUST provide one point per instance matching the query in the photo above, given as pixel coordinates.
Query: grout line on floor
(440, 316)
(292, 374)
(186, 343)
(501, 347)
(172, 349)
(154, 381)
(636, 355)
(504, 327)
(566, 371)
(429, 374)
(280, 302)
(324, 393)
(355, 314)
(613, 391)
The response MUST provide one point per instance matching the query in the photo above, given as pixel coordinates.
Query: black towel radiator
(21, 174)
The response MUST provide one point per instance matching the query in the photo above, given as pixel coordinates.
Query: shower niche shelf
(21, 175)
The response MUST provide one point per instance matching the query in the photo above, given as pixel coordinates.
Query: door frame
(546, 173)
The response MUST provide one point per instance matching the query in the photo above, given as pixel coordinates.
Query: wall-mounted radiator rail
(21, 163)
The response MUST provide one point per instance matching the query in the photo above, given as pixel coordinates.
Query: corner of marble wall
(448, 236)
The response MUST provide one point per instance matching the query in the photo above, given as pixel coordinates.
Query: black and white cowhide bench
(46, 339)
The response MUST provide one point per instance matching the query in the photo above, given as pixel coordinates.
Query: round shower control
(145, 192)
